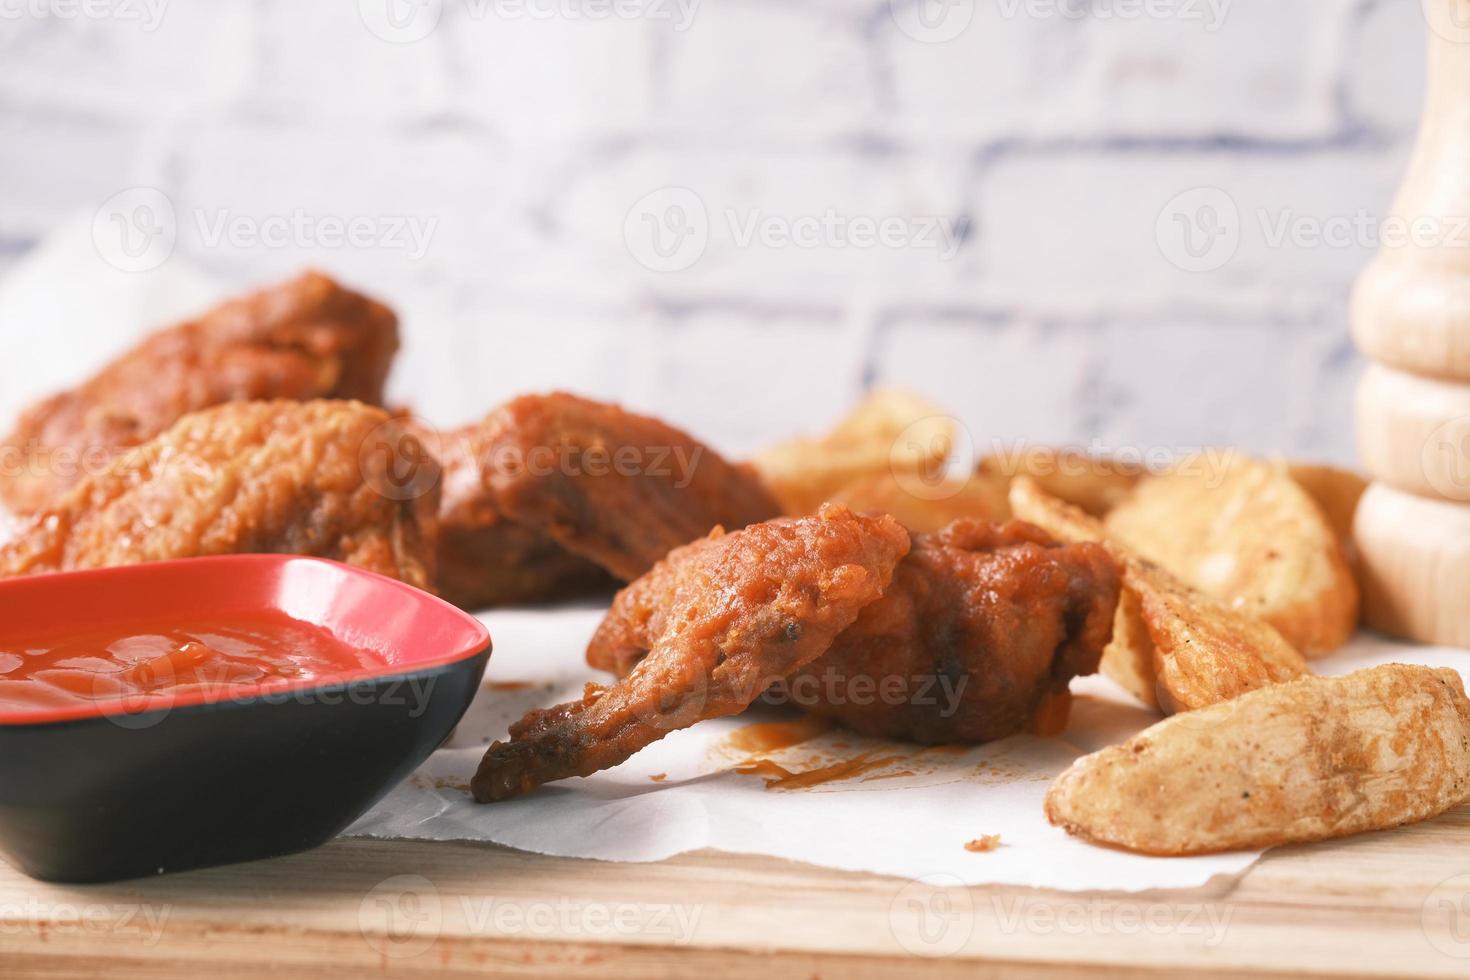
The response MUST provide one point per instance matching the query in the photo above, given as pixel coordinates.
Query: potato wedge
(1096, 484)
(1336, 491)
(1312, 759)
(1173, 647)
(938, 504)
(1245, 532)
(891, 431)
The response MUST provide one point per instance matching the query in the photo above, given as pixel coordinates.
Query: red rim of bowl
(121, 707)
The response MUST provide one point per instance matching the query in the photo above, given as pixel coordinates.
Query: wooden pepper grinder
(1411, 317)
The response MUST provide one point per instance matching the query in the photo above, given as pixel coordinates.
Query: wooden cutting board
(1390, 904)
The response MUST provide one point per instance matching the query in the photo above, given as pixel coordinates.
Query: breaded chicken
(306, 478)
(486, 559)
(308, 338)
(619, 489)
(734, 613)
(977, 638)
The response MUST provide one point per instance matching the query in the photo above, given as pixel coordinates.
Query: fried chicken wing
(485, 558)
(977, 638)
(290, 477)
(620, 489)
(729, 615)
(308, 338)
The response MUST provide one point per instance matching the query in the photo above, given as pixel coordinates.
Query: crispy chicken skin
(289, 477)
(982, 628)
(734, 613)
(620, 489)
(486, 559)
(981, 631)
(307, 338)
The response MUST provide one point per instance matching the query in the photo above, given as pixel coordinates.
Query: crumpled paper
(910, 816)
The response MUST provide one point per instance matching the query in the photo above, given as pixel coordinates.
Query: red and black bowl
(112, 789)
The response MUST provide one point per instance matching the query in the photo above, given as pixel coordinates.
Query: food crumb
(659, 777)
(983, 843)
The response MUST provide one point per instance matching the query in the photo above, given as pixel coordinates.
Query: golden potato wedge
(1096, 484)
(1245, 532)
(890, 431)
(928, 507)
(1173, 647)
(1315, 758)
(1336, 491)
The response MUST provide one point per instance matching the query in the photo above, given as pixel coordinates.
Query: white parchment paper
(911, 817)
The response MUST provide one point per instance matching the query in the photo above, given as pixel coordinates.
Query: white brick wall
(1042, 140)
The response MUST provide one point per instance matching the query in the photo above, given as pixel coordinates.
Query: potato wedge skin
(1095, 484)
(890, 432)
(927, 507)
(1311, 759)
(1247, 533)
(1200, 652)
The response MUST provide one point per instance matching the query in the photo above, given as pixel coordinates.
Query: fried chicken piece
(309, 478)
(308, 338)
(620, 489)
(486, 559)
(977, 638)
(729, 615)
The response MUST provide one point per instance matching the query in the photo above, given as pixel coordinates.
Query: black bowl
(108, 790)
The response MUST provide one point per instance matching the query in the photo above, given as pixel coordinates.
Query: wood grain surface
(1390, 904)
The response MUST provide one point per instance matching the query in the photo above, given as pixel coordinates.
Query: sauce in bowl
(219, 654)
